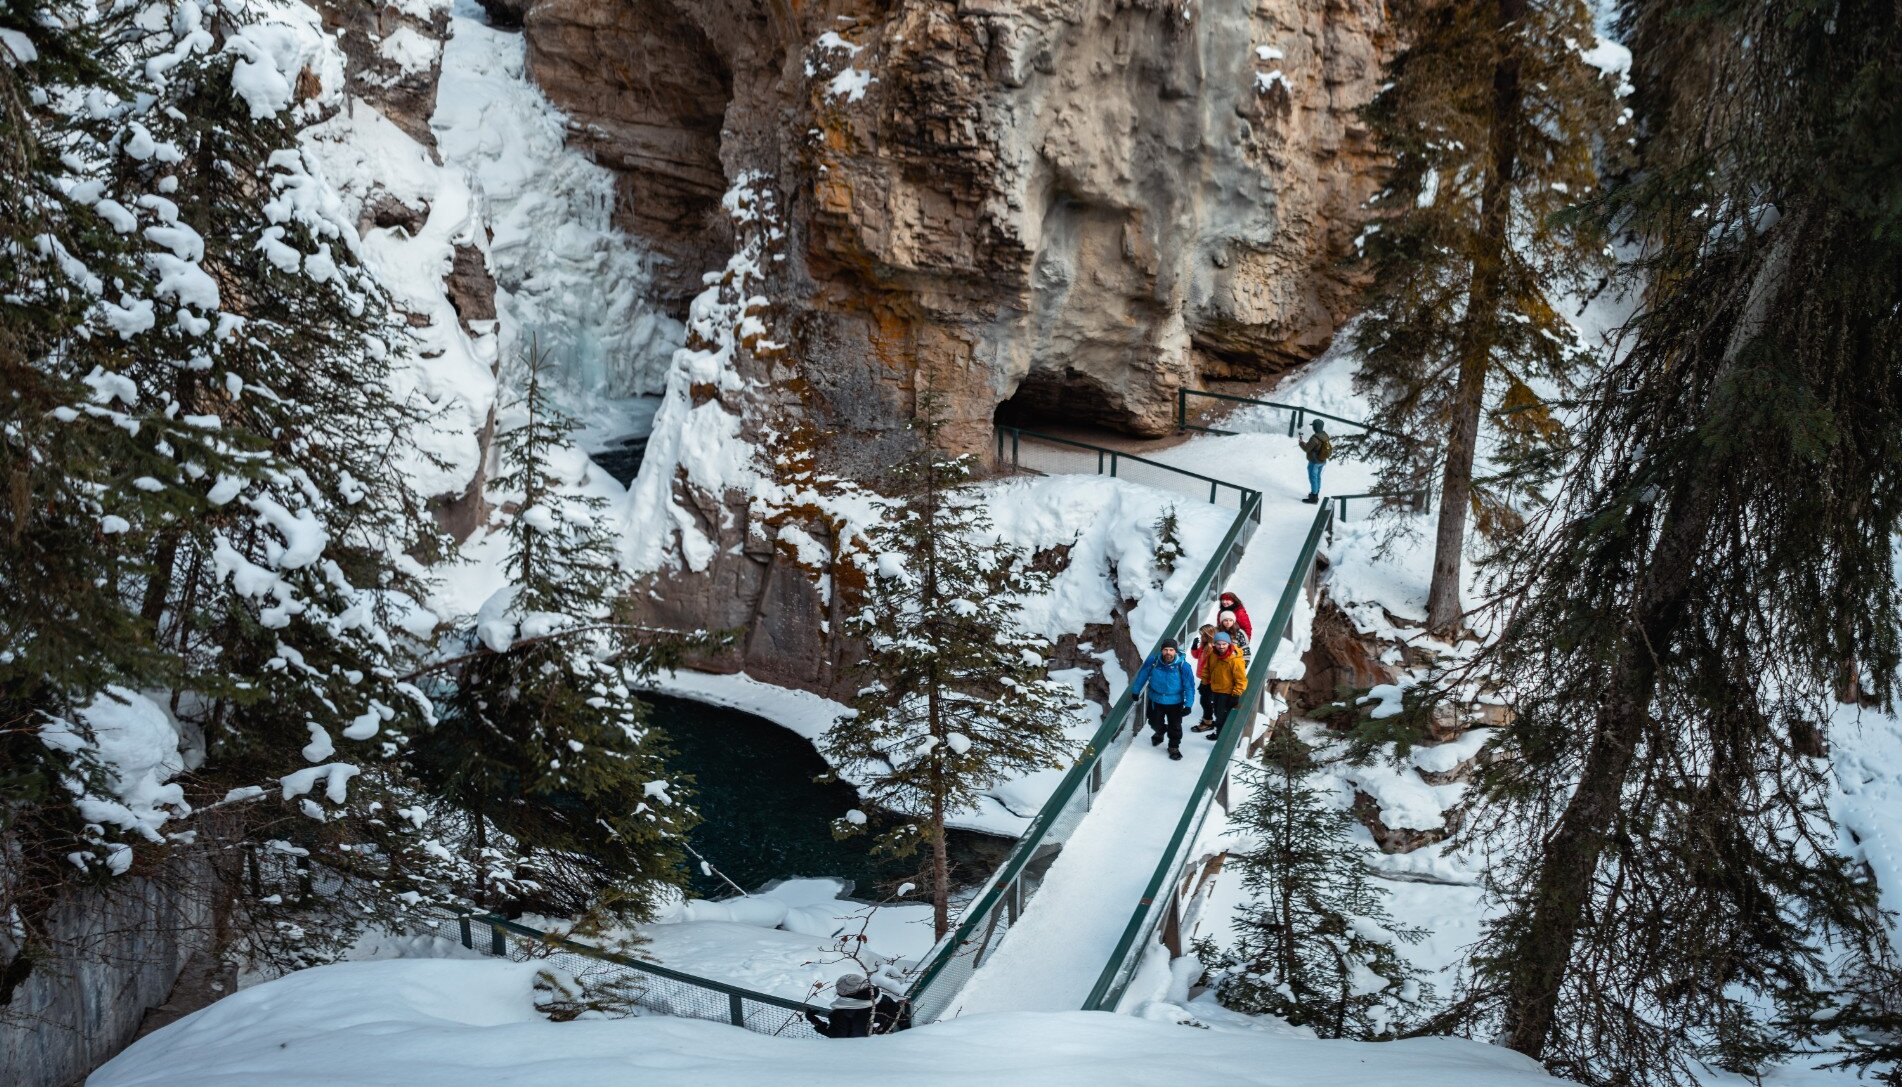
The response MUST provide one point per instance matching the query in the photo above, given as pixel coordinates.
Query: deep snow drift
(448, 1023)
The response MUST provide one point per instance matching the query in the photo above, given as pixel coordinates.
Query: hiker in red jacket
(1231, 602)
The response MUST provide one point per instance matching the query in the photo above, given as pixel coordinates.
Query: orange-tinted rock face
(1073, 206)
(1084, 204)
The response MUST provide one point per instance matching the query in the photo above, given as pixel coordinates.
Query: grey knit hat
(851, 984)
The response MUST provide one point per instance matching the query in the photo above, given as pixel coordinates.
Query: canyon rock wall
(1079, 204)
(1034, 209)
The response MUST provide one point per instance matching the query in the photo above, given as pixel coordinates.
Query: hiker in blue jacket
(1170, 679)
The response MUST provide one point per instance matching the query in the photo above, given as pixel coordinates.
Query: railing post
(1016, 452)
(468, 938)
(1112, 465)
(1014, 901)
(498, 942)
(1099, 462)
(735, 1009)
(1182, 410)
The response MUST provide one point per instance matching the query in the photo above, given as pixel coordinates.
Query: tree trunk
(940, 872)
(1456, 499)
(1476, 337)
(1561, 889)
(934, 712)
(159, 589)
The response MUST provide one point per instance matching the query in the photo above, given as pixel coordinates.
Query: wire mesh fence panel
(1237, 415)
(1055, 458)
(1359, 507)
(1225, 414)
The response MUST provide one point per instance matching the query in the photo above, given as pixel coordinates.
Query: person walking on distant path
(1228, 679)
(1170, 679)
(1319, 447)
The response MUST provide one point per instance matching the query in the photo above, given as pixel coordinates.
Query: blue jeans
(1314, 477)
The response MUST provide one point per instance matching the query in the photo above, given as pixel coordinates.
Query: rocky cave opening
(1066, 400)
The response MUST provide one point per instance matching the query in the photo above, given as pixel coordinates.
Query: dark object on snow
(506, 14)
(861, 1010)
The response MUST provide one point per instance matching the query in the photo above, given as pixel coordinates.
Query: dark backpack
(1322, 448)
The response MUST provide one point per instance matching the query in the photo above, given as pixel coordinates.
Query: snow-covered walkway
(1051, 958)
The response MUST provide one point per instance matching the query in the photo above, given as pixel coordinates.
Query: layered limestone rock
(1078, 206)
(1035, 209)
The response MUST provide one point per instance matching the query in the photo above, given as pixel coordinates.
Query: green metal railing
(1017, 446)
(1415, 500)
(1175, 889)
(1296, 414)
(648, 985)
(1001, 901)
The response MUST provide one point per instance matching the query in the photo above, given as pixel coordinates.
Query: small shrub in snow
(1317, 945)
(1168, 530)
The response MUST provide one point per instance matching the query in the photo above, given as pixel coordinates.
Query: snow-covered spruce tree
(956, 695)
(266, 513)
(558, 788)
(67, 633)
(1671, 889)
(1317, 945)
(1493, 118)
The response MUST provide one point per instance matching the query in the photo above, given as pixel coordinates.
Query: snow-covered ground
(419, 1023)
(1866, 755)
(788, 940)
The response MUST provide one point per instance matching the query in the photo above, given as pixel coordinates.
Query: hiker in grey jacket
(1319, 447)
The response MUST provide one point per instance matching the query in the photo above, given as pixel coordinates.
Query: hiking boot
(1155, 739)
(1312, 499)
(1210, 735)
(1203, 727)
(1175, 755)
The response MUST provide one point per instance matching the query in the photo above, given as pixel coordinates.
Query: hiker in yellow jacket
(1227, 679)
